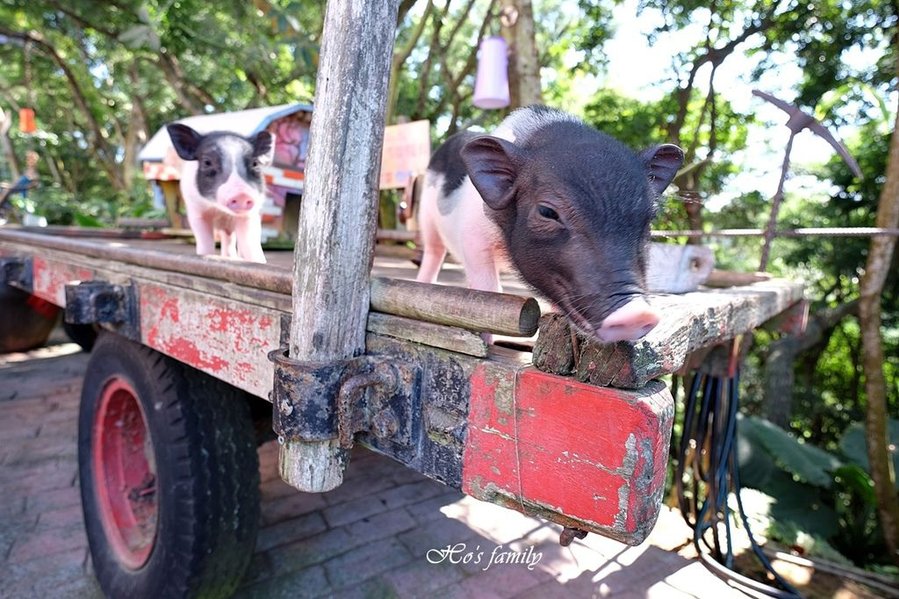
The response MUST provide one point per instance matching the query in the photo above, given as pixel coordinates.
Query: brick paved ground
(368, 538)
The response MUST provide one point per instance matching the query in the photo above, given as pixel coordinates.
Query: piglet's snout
(237, 195)
(241, 203)
(629, 322)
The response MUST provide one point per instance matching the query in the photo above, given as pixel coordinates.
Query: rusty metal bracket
(568, 535)
(17, 272)
(116, 307)
(320, 401)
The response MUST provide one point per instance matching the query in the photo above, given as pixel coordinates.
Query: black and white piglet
(568, 206)
(223, 190)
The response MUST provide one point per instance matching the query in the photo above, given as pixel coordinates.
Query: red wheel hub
(125, 473)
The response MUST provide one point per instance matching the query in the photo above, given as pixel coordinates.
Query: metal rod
(805, 232)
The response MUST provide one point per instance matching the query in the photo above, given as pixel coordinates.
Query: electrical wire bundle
(707, 467)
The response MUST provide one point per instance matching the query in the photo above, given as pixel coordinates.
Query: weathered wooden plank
(223, 336)
(482, 311)
(689, 322)
(71, 267)
(214, 334)
(516, 316)
(336, 237)
(260, 276)
(51, 276)
(434, 335)
(119, 272)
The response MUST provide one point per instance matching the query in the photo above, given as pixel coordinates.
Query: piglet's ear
(492, 165)
(662, 163)
(185, 140)
(263, 147)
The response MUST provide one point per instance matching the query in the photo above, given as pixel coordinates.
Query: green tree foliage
(825, 496)
(103, 77)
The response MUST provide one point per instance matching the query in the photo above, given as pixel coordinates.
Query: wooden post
(335, 241)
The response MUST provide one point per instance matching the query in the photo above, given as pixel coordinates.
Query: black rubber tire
(207, 476)
(25, 320)
(84, 335)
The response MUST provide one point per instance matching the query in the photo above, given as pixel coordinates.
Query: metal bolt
(384, 424)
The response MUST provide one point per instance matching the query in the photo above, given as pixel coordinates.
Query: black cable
(707, 457)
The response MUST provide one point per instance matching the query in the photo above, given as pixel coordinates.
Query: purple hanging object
(491, 87)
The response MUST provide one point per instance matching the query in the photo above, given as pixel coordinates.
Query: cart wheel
(27, 320)
(169, 475)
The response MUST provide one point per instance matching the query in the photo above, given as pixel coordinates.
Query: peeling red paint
(187, 351)
(51, 277)
(594, 454)
(213, 334)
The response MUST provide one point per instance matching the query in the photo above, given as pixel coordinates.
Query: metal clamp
(17, 272)
(335, 400)
(101, 302)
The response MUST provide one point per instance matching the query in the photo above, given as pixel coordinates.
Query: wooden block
(434, 335)
(556, 348)
(689, 322)
(575, 454)
(676, 268)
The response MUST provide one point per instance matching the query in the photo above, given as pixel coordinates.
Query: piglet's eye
(547, 212)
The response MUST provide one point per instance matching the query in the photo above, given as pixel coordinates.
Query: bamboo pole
(480, 311)
(335, 242)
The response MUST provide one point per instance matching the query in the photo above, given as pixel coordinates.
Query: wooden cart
(536, 431)
(345, 352)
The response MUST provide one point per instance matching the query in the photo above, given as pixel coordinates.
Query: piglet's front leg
(248, 232)
(202, 230)
(228, 241)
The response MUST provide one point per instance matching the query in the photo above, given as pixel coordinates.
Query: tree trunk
(871, 287)
(779, 363)
(524, 64)
(335, 243)
(399, 59)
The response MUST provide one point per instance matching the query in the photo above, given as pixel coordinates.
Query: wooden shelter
(284, 178)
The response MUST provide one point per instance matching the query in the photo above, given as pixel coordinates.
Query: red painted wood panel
(228, 339)
(52, 276)
(542, 443)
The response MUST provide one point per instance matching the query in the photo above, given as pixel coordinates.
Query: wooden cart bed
(538, 431)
